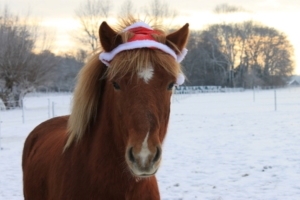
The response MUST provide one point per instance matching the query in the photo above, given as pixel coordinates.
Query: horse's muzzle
(144, 163)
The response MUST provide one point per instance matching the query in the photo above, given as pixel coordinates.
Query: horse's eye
(116, 86)
(171, 85)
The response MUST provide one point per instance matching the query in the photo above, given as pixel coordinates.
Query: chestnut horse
(109, 147)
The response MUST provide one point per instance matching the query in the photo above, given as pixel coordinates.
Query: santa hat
(143, 39)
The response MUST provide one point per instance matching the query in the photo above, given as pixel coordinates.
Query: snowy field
(220, 146)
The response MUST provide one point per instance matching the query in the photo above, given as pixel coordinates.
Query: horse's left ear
(109, 39)
(178, 38)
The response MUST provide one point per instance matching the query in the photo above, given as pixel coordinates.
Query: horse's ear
(109, 39)
(178, 38)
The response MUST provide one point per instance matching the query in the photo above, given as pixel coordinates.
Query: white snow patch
(220, 146)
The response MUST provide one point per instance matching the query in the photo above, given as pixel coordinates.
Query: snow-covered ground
(220, 146)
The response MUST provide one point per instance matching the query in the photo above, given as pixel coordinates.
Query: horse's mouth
(141, 176)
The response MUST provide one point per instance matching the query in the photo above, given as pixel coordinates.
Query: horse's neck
(103, 145)
(94, 153)
(105, 130)
(106, 161)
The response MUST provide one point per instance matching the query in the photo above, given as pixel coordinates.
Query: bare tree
(90, 14)
(158, 11)
(127, 9)
(270, 53)
(226, 8)
(21, 70)
(239, 55)
(67, 70)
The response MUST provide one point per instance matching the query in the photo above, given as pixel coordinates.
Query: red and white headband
(143, 39)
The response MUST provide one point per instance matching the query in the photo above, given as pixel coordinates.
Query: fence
(47, 105)
(183, 92)
(39, 107)
(204, 89)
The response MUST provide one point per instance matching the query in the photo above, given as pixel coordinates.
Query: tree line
(244, 54)
(23, 69)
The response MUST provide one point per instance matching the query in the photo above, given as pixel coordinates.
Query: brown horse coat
(110, 145)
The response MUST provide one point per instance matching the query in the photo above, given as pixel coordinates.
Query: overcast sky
(58, 15)
(65, 8)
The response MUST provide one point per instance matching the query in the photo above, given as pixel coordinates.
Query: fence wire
(39, 107)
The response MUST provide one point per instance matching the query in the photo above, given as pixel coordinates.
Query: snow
(220, 146)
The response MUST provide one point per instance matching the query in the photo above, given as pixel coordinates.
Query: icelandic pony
(109, 147)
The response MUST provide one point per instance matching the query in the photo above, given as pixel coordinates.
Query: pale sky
(58, 16)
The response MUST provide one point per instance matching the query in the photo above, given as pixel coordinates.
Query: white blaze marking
(145, 152)
(146, 74)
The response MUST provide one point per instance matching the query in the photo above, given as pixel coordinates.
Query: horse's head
(130, 96)
(140, 82)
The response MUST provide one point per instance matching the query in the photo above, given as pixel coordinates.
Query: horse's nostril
(131, 156)
(157, 155)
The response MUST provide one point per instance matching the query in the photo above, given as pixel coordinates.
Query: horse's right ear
(109, 39)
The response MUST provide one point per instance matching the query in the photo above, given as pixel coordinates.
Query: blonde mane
(92, 78)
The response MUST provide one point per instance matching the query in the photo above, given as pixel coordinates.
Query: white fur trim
(181, 56)
(106, 57)
(136, 25)
(180, 79)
